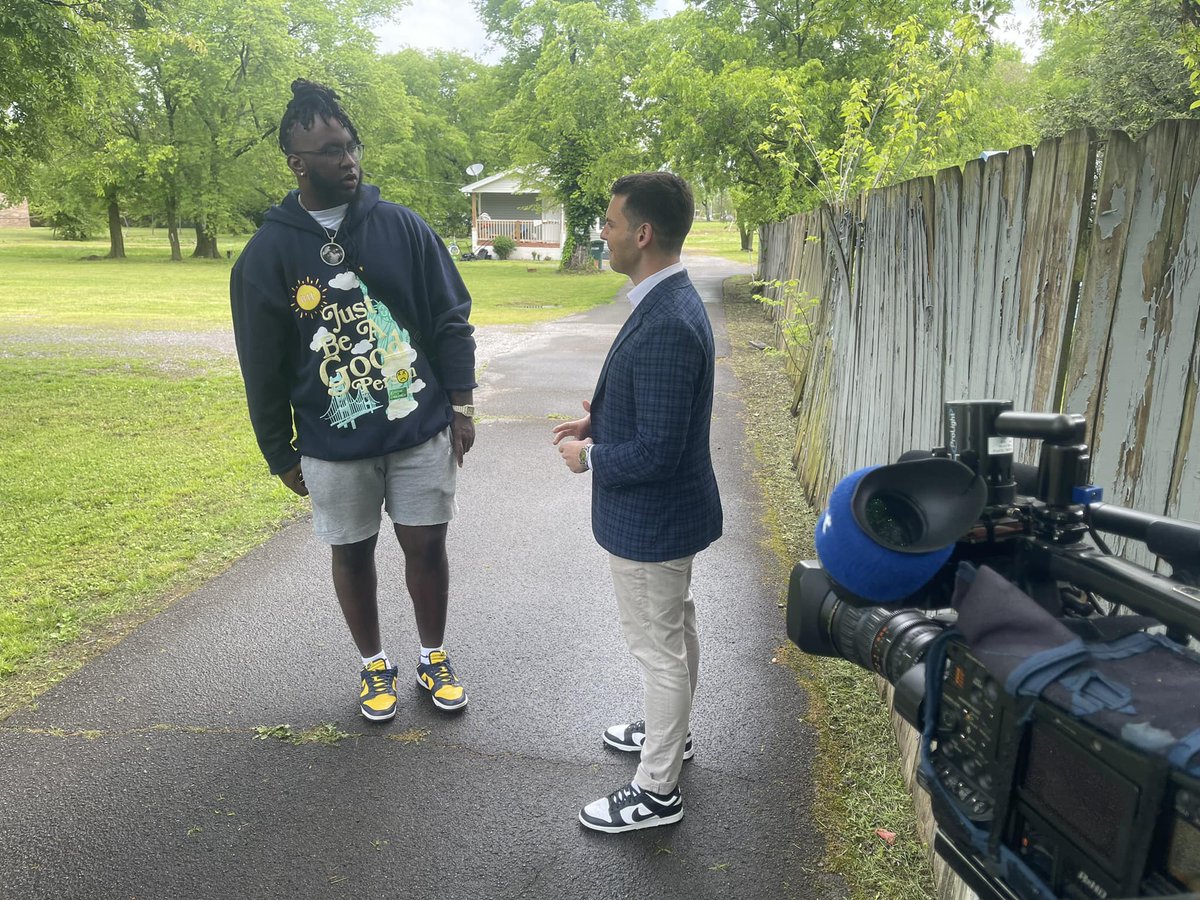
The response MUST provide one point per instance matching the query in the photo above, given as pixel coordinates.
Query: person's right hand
(576, 429)
(294, 479)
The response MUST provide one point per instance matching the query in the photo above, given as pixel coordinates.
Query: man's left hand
(569, 451)
(462, 436)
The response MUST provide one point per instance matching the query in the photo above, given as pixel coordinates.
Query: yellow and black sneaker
(439, 679)
(377, 701)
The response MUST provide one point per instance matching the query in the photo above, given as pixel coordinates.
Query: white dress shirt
(639, 291)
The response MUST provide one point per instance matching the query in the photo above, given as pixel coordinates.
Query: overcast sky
(453, 25)
(437, 25)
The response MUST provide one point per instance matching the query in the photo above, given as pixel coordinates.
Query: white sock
(367, 660)
(425, 651)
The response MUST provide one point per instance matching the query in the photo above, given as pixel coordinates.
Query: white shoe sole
(617, 829)
(377, 718)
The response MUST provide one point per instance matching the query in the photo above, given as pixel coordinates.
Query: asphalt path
(147, 774)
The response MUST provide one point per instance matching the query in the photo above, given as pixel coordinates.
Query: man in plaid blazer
(645, 439)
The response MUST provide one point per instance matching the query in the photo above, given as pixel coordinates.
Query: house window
(511, 206)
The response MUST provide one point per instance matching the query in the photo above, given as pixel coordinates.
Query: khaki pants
(658, 619)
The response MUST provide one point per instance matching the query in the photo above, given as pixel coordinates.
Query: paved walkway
(144, 775)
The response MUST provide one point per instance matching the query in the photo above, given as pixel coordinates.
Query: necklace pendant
(332, 254)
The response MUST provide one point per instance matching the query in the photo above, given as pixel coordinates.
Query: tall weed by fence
(1065, 278)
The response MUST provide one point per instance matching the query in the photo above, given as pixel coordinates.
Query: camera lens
(826, 621)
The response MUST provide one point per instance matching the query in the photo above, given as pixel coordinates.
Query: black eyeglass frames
(335, 152)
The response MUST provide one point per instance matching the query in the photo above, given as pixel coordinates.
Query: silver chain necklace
(331, 252)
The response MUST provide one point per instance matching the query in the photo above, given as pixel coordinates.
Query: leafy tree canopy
(1114, 64)
(429, 132)
(574, 116)
(114, 109)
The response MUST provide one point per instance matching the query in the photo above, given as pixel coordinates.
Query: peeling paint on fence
(1065, 278)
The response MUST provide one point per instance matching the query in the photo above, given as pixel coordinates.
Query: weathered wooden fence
(1065, 279)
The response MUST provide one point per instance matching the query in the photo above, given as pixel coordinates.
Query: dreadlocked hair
(310, 100)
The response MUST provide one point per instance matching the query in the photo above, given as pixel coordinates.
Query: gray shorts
(415, 486)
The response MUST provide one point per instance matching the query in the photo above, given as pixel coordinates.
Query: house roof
(509, 182)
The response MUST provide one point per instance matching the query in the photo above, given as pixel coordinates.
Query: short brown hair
(664, 200)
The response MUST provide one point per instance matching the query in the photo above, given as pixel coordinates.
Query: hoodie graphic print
(367, 360)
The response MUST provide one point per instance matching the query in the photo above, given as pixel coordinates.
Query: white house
(16, 214)
(503, 204)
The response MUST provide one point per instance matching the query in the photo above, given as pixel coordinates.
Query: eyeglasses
(335, 152)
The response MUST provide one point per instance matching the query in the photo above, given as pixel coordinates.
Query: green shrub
(70, 227)
(503, 245)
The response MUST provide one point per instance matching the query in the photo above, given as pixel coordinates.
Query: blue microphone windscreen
(859, 564)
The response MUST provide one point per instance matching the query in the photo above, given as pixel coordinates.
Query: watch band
(467, 410)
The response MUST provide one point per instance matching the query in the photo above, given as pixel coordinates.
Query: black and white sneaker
(630, 808)
(630, 738)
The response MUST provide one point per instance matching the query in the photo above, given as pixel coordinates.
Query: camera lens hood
(888, 529)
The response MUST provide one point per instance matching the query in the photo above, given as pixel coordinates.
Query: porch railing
(523, 231)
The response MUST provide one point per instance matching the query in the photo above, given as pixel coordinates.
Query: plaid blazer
(654, 493)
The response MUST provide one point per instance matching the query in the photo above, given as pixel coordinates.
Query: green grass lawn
(719, 239)
(514, 292)
(130, 470)
(124, 481)
(50, 282)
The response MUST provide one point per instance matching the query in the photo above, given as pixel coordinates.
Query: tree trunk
(579, 259)
(747, 235)
(173, 227)
(206, 243)
(116, 237)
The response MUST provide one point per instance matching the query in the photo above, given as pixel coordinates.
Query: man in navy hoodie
(359, 362)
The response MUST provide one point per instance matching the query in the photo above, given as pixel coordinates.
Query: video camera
(1052, 681)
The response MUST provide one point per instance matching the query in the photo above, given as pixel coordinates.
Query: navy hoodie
(349, 361)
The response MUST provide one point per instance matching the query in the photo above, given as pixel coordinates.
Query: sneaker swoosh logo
(639, 813)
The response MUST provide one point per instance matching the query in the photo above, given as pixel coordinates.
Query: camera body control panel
(971, 717)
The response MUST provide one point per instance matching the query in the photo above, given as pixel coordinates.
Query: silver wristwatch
(467, 410)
